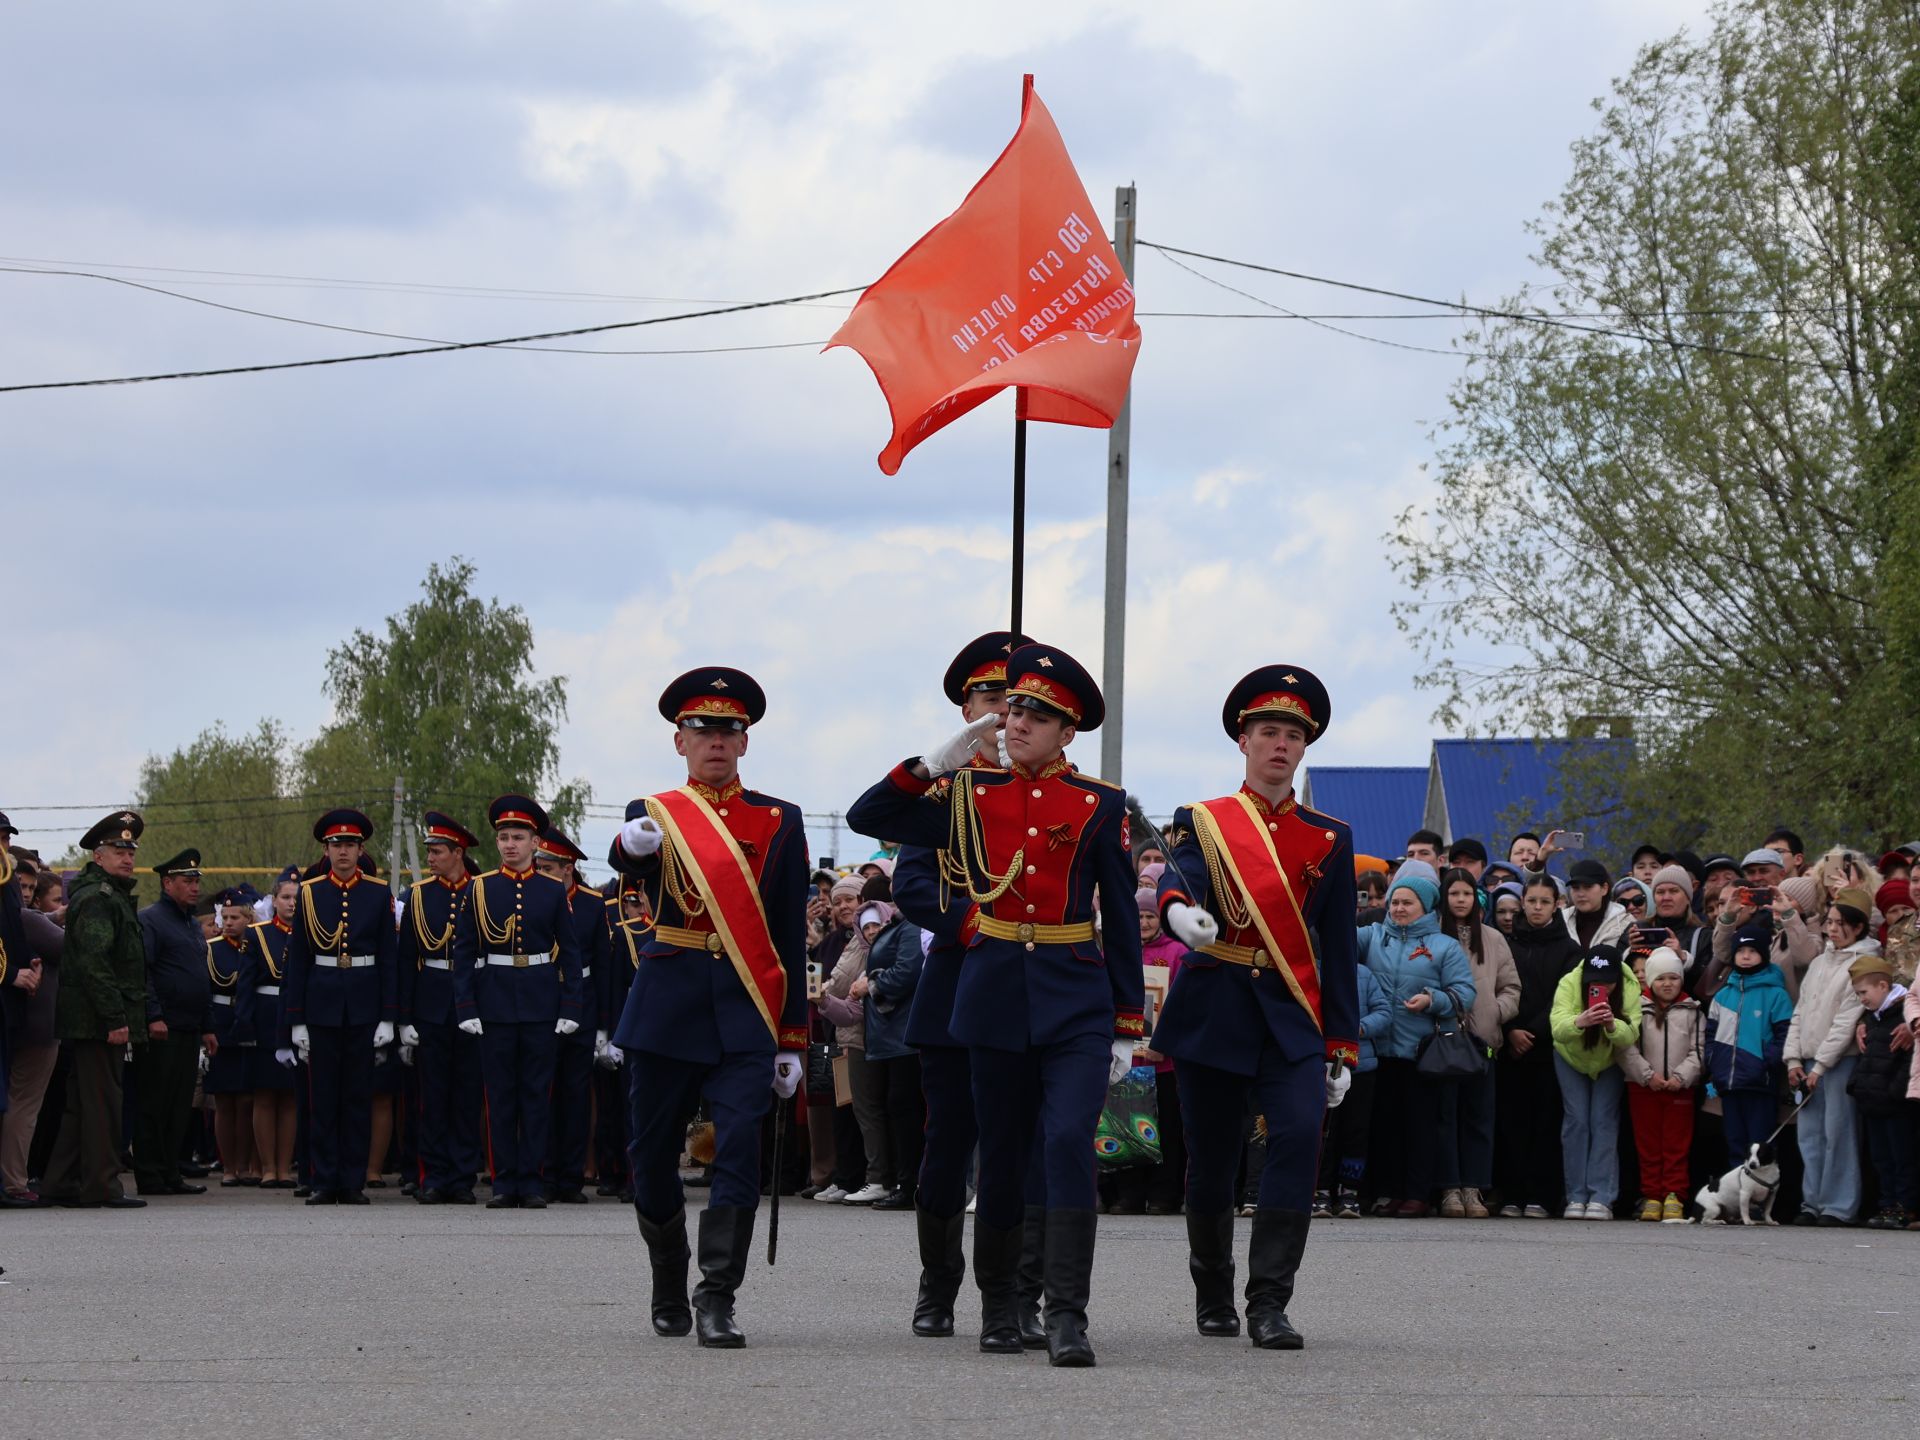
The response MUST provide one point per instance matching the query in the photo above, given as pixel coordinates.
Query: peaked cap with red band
(1278, 692)
(518, 810)
(981, 664)
(439, 829)
(553, 842)
(343, 825)
(1047, 675)
(714, 692)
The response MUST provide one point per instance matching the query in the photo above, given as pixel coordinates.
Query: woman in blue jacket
(1425, 976)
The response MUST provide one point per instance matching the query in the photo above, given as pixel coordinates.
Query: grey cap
(1763, 856)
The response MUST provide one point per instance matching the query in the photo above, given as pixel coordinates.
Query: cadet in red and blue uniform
(516, 985)
(629, 924)
(446, 1060)
(339, 1002)
(257, 1012)
(1267, 1007)
(555, 856)
(717, 1008)
(976, 681)
(1049, 1020)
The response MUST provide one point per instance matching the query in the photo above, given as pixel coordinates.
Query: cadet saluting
(339, 1002)
(511, 934)
(1268, 1004)
(1049, 1020)
(717, 1008)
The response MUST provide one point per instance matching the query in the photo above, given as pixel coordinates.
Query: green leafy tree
(1681, 524)
(228, 796)
(448, 699)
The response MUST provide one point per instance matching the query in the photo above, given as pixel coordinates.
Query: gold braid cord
(673, 875)
(1233, 906)
(432, 944)
(322, 942)
(966, 851)
(221, 982)
(493, 937)
(266, 950)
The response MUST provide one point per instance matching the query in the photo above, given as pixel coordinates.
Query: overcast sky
(199, 545)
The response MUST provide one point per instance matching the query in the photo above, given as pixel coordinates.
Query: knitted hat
(1148, 899)
(1866, 965)
(1753, 937)
(1419, 868)
(1674, 875)
(1803, 891)
(1665, 961)
(848, 887)
(1421, 888)
(1892, 893)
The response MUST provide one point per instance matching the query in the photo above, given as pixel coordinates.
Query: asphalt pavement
(247, 1314)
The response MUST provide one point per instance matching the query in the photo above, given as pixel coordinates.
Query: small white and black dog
(1744, 1195)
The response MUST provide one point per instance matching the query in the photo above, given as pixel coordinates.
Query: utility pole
(1113, 662)
(393, 855)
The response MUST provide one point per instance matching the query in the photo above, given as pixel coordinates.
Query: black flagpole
(1019, 507)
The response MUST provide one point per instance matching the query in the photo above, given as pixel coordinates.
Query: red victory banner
(1019, 286)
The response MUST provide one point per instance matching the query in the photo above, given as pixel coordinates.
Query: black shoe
(996, 1271)
(726, 1235)
(943, 1266)
(533, 1202)
(376, 1184)
(1163, 1207)
(506, 1202)
(605, 1189)
(181, 1187)
(1030, 1280)
(667, 1256)
(701, 1181)
(410, 1189)
(1806, 1217)
(1069, 1272)
(1127, 1207)
(193, 1171)
(459, 1197)
(1279, 1240)
(123, 1202)
(571, 1197)
(323, 1197)
(425, 1196)
(302, 1192)
(898, 1198)
(1210, 1262)
(1835, 1222)
(354, 1197)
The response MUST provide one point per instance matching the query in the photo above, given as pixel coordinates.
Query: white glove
(409, 1036)
(302, 1041)
(1122, 1061)
(383, 1035)
(284, 1056)
(599, 1043)
(206, 1062)
(1339, 1078)
(954, 752)
(406, 1054)
(472, 1027)
(1192, 926)
(787, 1071)
(616, 1057)
(641, 837)
(1006, 760)
(564, 1026)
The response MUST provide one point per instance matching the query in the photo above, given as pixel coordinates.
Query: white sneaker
(832, 1195)
(866, 1195)
(1597, 1211)
(1576, 1210)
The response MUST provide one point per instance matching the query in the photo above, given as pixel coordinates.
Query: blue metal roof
(1383, 803)
(1491, 789)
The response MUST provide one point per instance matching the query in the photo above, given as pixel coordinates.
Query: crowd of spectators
(1640, 1034)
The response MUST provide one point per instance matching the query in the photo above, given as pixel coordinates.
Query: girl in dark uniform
(257, 1008)
(227, 1082)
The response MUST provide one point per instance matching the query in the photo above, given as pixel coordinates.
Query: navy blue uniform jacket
(319, 995)
(510, 994)
(426, 933)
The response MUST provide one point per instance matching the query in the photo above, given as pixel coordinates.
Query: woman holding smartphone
(1596, 1015)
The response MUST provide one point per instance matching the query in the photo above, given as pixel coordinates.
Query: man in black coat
(179, 992)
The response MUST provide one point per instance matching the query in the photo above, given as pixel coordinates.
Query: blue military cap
(714, 697)
(1278, 692)
(242, 895)
(440, 829)
(553, 842)
(519, 810)
(981, 665)
(291, 872)
(1046, 677)
(343, 824)
(187, 862)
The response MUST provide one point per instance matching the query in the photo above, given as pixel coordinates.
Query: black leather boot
(1210, 1260)
(943, 1266)
(1069, 1280)
(667, 1253)
(1033, 1256)
(996, 1264)
(726, 1234)
(1279, 1240)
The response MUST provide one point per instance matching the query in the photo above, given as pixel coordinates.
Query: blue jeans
(1590, 1132)
(1830, 1147)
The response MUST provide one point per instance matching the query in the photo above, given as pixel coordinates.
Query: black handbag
(1451, 1052)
